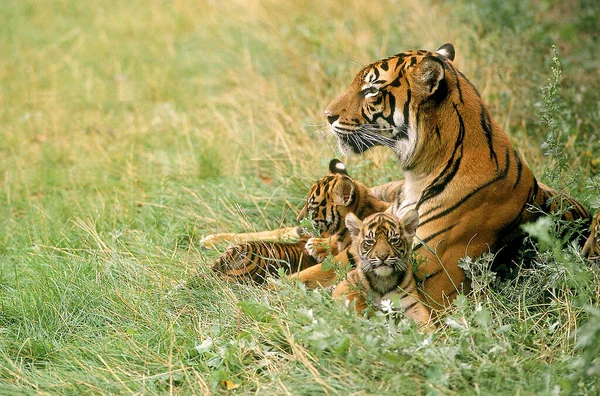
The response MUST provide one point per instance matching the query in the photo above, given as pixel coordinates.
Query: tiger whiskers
(367, 134)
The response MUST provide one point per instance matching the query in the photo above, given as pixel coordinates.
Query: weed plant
(131, 129)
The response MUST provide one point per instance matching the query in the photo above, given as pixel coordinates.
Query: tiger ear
(343, 191)
(353, 224)
(447, 51)
(430, 73)
(337, 167)
(410, 221)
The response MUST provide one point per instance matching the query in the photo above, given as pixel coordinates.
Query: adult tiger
(469, 185)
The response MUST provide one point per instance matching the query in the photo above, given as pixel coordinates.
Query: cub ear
(343, 191)
(447, 51)
(410, 221)
(353, 224)
(430, 73)
(337, 167)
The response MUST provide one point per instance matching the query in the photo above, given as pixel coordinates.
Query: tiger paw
(318, 248)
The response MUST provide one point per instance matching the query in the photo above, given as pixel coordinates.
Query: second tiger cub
(383, 245)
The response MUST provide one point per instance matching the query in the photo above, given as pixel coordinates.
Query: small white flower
(206, 346)
(387, 306)
(453, 323)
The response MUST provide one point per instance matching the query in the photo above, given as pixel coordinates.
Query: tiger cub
(255, 260)
(591, 249)
(383, 245)
(327, 203)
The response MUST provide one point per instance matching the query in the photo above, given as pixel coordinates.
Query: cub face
(383, 242)
(328, 200)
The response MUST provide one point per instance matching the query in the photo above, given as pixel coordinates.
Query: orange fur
(383, 246)
(469, 185)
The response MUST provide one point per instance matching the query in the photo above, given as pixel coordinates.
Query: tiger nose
(331, 118)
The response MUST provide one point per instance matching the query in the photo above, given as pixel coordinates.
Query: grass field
(131, 129)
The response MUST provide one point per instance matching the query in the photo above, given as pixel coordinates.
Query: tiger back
(383, 247)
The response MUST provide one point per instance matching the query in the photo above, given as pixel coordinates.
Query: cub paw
(318, 248)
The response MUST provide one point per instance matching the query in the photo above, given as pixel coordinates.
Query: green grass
(131, 129)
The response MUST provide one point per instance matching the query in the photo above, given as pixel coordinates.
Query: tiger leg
(389, 192)
(281, 235)
(316, 276)
(320, 248)
(552, 201)
(591, 249)
(350, 291)
(352, 288)
(441, 277)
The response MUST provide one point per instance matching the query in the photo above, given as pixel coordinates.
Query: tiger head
(383, 242)
(329, 199)
(381, 106)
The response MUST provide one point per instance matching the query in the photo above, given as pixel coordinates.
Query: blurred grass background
(131, 129)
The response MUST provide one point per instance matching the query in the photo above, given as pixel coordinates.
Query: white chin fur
(383, 271)
(405, 148)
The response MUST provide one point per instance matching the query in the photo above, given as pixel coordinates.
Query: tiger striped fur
(591, 248)
(327, 203)
(462, 174)
(383, 245)
(255, 260)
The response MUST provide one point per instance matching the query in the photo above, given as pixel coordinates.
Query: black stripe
(351, 259)
(375, 74)
(509, 228)
(438, 184)
(458, 88)
(395, 82)
(318, 189)
(411, 306)
(536, 188)
(519, 168)
(437, 132)
(404, 129)
(391, 106)
(400, 62)
(486, 125)
(430, 237)
(501, 175)
(469, 83)
(433, 275)
(365, 115)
